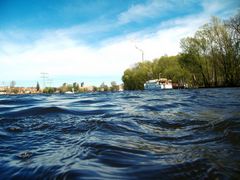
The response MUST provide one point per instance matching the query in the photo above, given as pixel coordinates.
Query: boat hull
(156, 85)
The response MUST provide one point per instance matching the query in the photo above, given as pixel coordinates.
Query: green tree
(166, 66)
(103, 87)
(76, 87)
(233, 25)
(210, 58)
(49, 90)
(63, 88)
(38, 86)
(114, 86)
(212, 55)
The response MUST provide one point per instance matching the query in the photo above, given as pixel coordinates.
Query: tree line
(80, 88)
(211, 58)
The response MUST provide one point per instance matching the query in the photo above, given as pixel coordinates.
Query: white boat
(69, 92)
(156, 84)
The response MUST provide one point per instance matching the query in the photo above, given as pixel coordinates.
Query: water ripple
(186, 134)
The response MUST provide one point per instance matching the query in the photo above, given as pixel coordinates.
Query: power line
(50, 82)
(44, 77)
(2, 83)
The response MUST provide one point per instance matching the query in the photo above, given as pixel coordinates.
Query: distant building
(120, 87)
(18, 90)
(3, 89)
(86, 89)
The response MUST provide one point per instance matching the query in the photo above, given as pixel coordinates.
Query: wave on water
(187, 134)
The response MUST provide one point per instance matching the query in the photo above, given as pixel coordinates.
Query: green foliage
(114, 86)
(135, 77)
(209, 59)
(212, 55)
(63, 88)
(76, 87)
(38, 86)
(68, 87)
(167, 67)
(95, 88)
(15, 90)
(103, 87)
(49, 90)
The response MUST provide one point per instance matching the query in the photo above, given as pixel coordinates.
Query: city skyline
(94, 41)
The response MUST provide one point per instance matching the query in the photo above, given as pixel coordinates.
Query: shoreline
(218, 87)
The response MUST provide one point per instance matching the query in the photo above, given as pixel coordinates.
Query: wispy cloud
(64, 56)
(64, 52)
(141, 11)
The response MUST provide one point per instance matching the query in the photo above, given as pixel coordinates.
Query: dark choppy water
(192, 134)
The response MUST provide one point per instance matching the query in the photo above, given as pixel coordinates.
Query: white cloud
(153, 8)
(60, 54)
(140, 11)
(63, 56)
(212, 7)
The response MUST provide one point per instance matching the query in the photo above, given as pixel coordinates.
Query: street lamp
(141, 52)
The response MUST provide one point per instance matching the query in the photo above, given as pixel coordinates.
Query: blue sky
(94, 40)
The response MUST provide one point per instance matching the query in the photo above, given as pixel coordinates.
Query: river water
(190, 134)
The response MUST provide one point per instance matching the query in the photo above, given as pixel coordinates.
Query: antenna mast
(44, 77)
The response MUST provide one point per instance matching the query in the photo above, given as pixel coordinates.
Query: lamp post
(141, 52)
